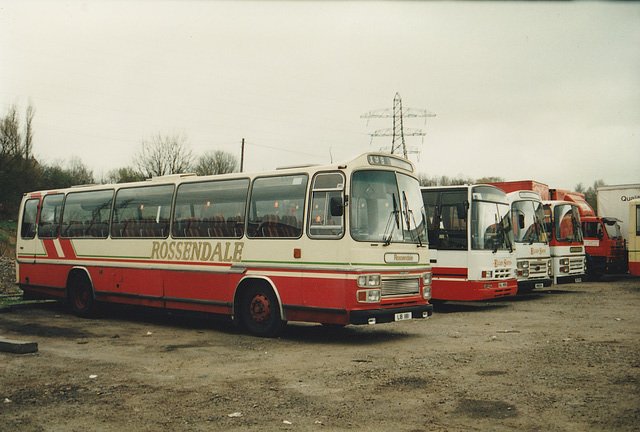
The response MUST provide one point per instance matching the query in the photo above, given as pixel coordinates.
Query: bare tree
(122, 175)
(217, 162)
(78, 172)
(55, 175)
(425, 180)
(163, 155)
(28, 132)
(490, 179)
(18, 171)
(10, 138)
(444, 180)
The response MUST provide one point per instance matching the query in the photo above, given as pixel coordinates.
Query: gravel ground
(8, 276)
(563, 359)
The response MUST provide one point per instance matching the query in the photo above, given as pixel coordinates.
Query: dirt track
(562, 359)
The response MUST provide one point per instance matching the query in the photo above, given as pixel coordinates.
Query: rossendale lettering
(197, 251)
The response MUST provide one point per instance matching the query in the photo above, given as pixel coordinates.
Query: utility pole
(242, 155)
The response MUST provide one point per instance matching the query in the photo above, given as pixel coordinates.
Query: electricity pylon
(398, 132)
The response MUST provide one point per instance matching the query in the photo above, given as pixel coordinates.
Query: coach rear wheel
(81, 297)
(261, 312)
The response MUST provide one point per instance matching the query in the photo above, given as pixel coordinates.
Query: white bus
(471, 242)
(533, 256)
(562, 221)
(339, 244)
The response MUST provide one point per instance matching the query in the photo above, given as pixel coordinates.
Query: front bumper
(529, 285)
(388, 315)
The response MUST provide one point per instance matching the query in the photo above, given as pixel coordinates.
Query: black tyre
(81, 297)
(260, 311)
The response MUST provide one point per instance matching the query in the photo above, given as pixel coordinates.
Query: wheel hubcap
(260, 309)
(81, 298)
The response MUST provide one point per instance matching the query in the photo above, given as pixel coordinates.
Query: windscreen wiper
(408, 211)
(505, 233)
(498, 232)
(391, 224)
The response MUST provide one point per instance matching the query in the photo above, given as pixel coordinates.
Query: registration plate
(402, 316)
(578, 280)
(539, 285)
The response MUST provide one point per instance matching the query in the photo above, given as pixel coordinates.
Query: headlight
(368, 296)
(523, 264)
(564, 261)
(426, 278)
(426, 292)
(487, 274)
(366, 281)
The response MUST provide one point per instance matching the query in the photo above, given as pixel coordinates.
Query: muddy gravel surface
(562, 359)
(8, 276)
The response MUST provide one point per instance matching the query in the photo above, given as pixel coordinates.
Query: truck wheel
(260, 312)
(81, 297)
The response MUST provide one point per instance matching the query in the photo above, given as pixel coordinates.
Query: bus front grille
(502, 273)
(576, 265)
(397, 287)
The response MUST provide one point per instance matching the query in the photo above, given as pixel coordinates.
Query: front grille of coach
(400, 286)
(502, 273)
(538, 269)
(576, 265)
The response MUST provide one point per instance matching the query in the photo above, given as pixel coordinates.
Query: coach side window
(322, 224)
(29, 215)
(277, 206)
(86, 214)
(142, 211)
(210, 209)
(49, 225)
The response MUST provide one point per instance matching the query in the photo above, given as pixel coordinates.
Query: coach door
(27, 242)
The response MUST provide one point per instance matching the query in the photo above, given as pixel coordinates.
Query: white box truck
(613, 201)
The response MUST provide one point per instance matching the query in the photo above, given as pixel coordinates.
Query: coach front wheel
(260, 312)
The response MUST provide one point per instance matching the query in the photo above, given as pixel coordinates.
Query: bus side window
(277, 204)
(28, 227)
(49, 224)
(142, 211)
(322, 224)
(86, 214)
(211, 209)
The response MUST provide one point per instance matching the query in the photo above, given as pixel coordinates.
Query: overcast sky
(543, 91)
